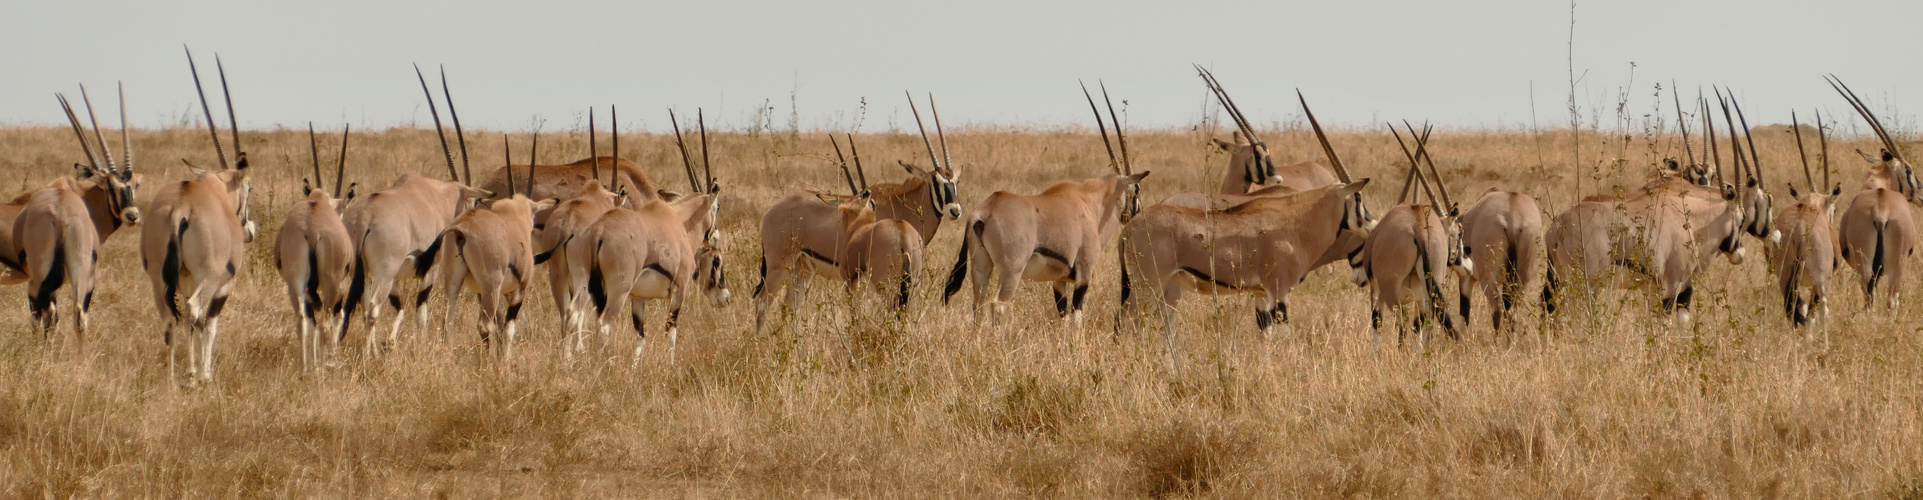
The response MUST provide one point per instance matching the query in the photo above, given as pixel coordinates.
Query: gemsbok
(1251, 166)
(1410, 248)
(392, 228)
(315, 254)
(613, 173)
(1808, 253)
(57, 230)
(1054, 237)
(887, 252)
(1658, 233)
(196, 242)
(1879, 231)
(490, 249)
(1503, 232)
(658, 250)
(801, 234)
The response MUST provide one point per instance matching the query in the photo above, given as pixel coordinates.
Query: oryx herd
(612, 239)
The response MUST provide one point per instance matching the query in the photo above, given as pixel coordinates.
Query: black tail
(1549, 291)
(42, 300)
(170, 269)
(960, 272)
(1876, 262)
(596, 289)
(1511, 280)
(901, 298)
(425, 261)
(764, 275)
(312, 286)
(1122, 260)
(542, 258)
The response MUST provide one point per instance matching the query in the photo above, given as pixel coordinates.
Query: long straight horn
(1749, 138)
(340, 169)
(924, 131)
(614, 166)
(212, 129)
(439, 133)
(707, 169)
(314, 151)
(1735, 141)
(466, 174)
(233, 124)
(1823, 141)
(92, 162)
(1430, 160)
(126, 143)
(1222, 97)
(1796, 128)
(1114, 164)
(105, 152)
(532, 164)
(594, 161)
(860, 173)
(1863, 109)
(1128, 167)
(1682, 123)
(1423, 181)
(843, 161)
(1340, 172)
(507, 151)
(1408, 180)
(687, 163)
(1709, 140)
(947, 162)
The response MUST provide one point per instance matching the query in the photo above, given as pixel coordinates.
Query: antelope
(1502, 230)
(801, 234)
(1408, 247)
(886, 251)
(1055, 236)
(491, 250)
(199, 240)
(1879, 232)
(1265, 247)
(586, 204)
(1654, 233)
(55, 232)
(1808, 253)
(392, 228)
(657, 250)
(1251, 167)
(315, 255)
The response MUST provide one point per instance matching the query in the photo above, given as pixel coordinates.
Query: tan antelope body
(1055, 236)
(655, 251)
(1503, 232)
(392, 228)
(1878, 231)
(563, 182)
(1653, 235)
(804, 235)
(490, 250)
(1251, 168)
(1808, 254)
(888, 252)
(1265, 246)
(53, 234)
(315, 254)
(566, 221)
(195, 243)
(1406, 254)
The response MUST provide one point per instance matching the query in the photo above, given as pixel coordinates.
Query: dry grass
(1617, 404)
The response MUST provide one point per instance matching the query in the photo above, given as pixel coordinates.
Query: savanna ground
(1617, 403)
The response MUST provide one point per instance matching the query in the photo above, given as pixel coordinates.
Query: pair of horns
(1754, 165)
(240, 157)
(703, 183)
(1222, 97)
(1682, 123)
(945, 162)
(1419, 158)
(1822, 137)
(1340, 172)
(126, 145)
(340, 169)
(594, 162)
(853, 190)
(534, 148)
(440, 133)
(1120, 165)
(1889, 144)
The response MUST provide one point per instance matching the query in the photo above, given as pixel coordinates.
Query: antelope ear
(350, 191)
(304, 188)
(1221, 144)
(1792, 191)
(82, 171)
(1353, 187)
(1670, 163)
(910, 167)
(1455, 210)
(1137, 178)
(544, 204)
(1838, 191)
(1887, 156)
(471, 192)
(1729, 192)
(667, 196)
(1868, 158)
(1241, 140)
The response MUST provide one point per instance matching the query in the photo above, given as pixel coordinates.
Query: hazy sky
(988, 62)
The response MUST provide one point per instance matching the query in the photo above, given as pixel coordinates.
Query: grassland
(1616, 403)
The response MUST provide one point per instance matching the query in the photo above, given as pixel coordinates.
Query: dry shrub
(1188, 456)
(1030, 405)
(1041, 469)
